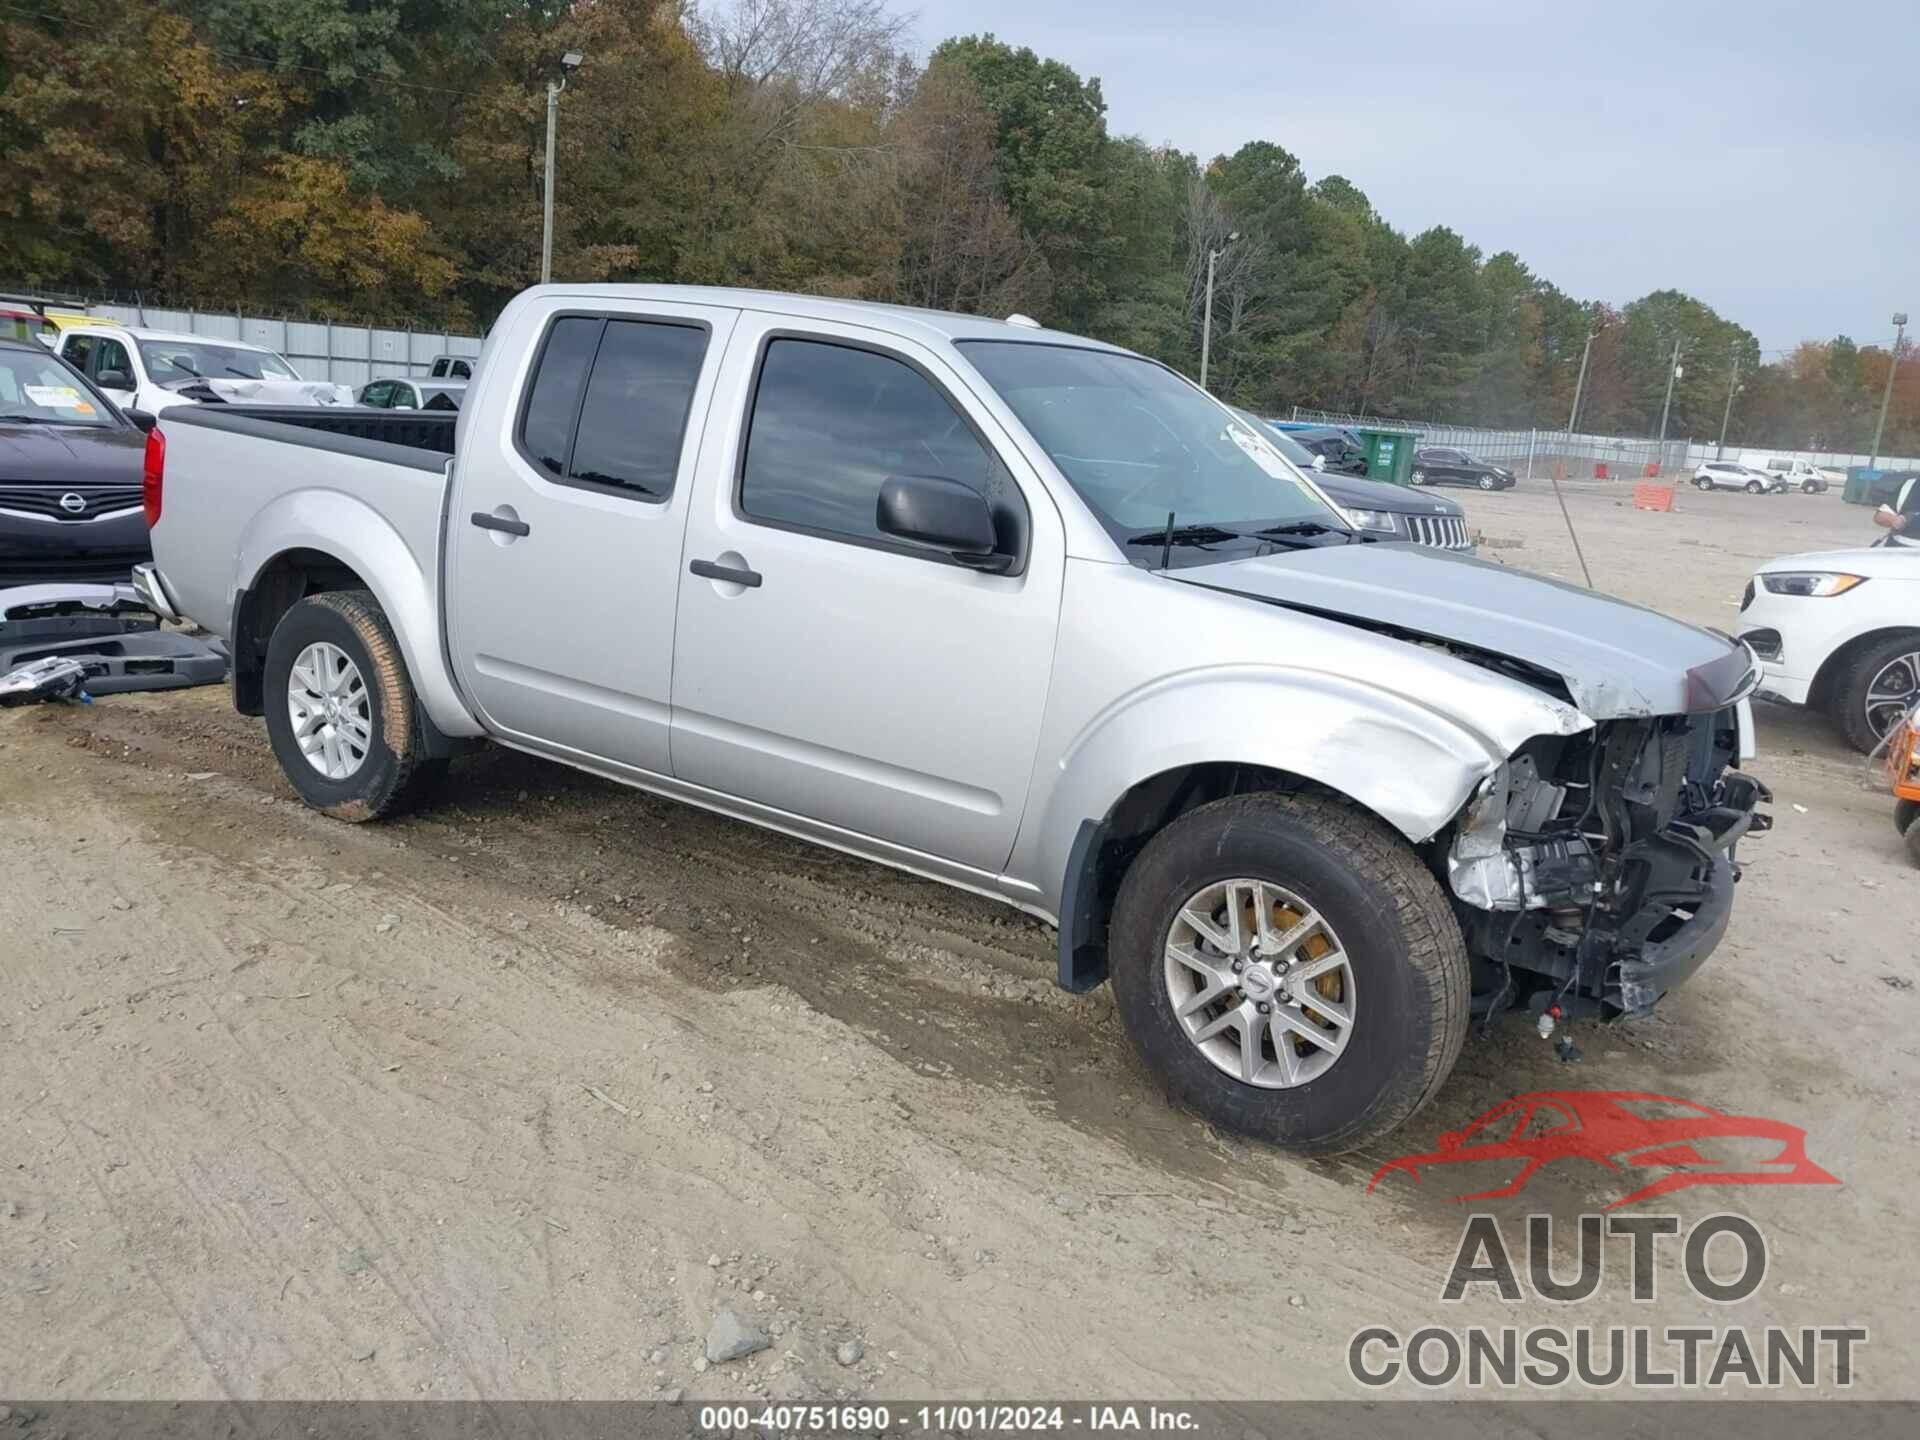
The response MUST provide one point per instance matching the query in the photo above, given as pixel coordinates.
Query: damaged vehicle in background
(1017, 611)
(151, 370)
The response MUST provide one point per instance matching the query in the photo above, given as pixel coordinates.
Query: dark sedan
(1438, 465)
(70, 467)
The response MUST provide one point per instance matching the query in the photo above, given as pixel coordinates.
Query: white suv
(1840, 631)
(1725, 475)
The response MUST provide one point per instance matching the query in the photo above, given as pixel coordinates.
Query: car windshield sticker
(57, 397)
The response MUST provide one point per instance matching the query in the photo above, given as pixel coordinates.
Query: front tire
(1904, 813)
(1487, 482)
(342, 716)
(1337, 928)
(1419, 477)
(1754, 487)
(1874, 690)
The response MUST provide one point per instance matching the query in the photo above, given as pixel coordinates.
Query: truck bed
(235, 474)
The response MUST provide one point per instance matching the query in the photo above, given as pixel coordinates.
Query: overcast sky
(1762, 155)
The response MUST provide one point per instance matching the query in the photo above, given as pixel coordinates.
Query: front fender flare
(358, 536)
(1404, 761)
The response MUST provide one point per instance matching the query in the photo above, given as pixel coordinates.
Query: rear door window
(608, 406)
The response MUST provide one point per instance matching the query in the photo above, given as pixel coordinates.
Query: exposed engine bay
(1593, 872)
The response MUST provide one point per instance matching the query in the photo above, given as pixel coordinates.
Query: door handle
(707, 570)
(501, 523)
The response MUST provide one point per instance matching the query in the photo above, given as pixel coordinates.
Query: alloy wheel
(1260, 983)
(1893, 691)
(331, 710)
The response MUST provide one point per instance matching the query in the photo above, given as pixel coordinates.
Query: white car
(153, 369)
(1726, 475)
(402, 394)
(1840, 631)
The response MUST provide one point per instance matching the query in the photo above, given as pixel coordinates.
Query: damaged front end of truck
(1594, 872)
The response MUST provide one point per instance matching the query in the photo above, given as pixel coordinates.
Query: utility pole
(1206, 324)
(1733, 388)
(569, 62)
(1581, 384)
(1673, 374)
(1886, 396)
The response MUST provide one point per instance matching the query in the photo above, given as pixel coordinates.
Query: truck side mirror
(941, 514)
(114, 380)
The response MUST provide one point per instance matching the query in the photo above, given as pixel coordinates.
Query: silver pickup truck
(1014, 610)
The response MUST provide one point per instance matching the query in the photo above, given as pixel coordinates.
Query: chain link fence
(1624, 457)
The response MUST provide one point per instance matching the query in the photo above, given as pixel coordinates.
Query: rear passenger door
(563, 543)
(823, 670)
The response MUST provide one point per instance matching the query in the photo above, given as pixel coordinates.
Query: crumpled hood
(1616, 659)
(266, 392)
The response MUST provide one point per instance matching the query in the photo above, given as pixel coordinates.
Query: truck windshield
(1139, 443)
(171, 360)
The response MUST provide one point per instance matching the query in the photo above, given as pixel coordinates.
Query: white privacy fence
(1622, 455)
(319, 349)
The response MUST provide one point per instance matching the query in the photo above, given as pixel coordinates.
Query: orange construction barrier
(1653, 470)
(1653, 497)
(1600, 471)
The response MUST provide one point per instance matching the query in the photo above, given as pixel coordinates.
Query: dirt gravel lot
(508, 1100)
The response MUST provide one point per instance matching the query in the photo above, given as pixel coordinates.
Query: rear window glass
(608, 406)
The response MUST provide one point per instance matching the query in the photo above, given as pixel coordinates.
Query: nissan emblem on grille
(73, 504)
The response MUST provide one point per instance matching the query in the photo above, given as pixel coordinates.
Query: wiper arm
(1185, 535)
(1303, 527)
(28, 420)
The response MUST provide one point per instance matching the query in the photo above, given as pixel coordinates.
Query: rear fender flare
(363, 540)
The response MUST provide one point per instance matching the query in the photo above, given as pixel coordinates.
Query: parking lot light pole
(1886, 396)
(1206, 323)
(569, 62)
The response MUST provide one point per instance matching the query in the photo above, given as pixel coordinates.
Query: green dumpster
(1389, 453)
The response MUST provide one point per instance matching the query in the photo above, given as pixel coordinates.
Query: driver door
(853, 682)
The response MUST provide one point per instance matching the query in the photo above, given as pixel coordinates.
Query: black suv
(70, 469)
(1437, 465)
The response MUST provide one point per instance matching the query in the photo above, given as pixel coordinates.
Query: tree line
(382, 159)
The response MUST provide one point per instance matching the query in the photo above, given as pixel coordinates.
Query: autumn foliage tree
(383, 159)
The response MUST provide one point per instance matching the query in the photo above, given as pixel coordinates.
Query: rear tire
(1419, 477)
(1382, 909)
(1702, 484)
(1807, 487)
(1913, 844)
(379, 745)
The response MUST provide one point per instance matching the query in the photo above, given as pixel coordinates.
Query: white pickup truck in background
(1019, 611)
